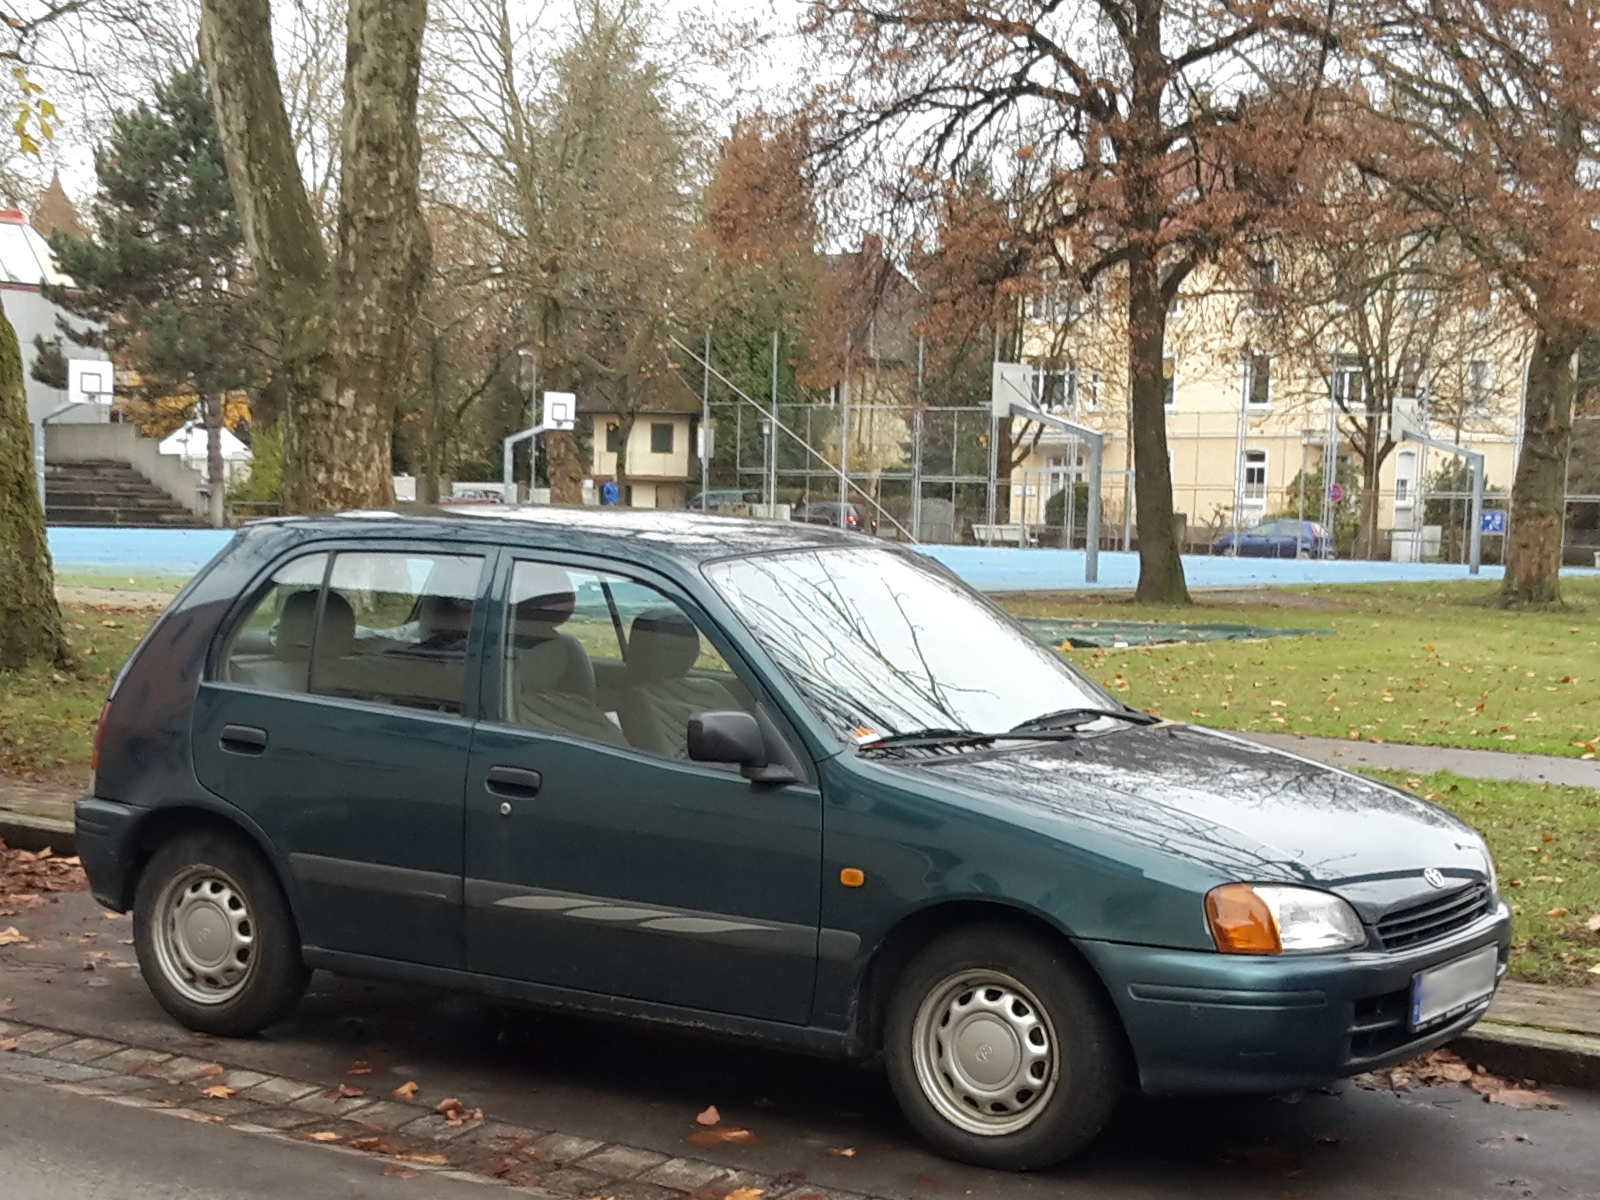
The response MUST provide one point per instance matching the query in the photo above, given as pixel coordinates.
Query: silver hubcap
(204, 935)
(985, 1053)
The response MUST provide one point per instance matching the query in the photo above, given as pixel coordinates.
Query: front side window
(879, 644)
(605, 658)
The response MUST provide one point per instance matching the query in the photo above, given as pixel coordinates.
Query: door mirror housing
(735, 738)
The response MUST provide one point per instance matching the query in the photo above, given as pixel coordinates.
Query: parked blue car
(1279, 539)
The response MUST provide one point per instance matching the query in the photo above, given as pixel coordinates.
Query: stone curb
(530, 1162)
(24, 831)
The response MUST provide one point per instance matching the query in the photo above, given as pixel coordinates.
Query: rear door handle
(244, 739)
(514, 781)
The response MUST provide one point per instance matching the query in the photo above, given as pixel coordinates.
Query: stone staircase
(107, 493)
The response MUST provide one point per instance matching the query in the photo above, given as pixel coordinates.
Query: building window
(1349, 382)
(1405, 466)
(1255, 476)
(613, 438)
(1091, 394)
(1258, 380)
(1480, 386)
(1413, 379)
(661, 437)
(1169, 376)
(1055, 391)
(1265, 272)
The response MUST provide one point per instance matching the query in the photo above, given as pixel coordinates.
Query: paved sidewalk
(1424, 760)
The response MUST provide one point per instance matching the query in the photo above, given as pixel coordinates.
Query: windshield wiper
(1071, 718)
(930, 738)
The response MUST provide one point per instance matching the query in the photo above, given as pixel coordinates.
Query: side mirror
(733, 737)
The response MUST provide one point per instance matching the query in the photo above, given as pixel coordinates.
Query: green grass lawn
(47, 717)
(1546, 845)
(1429, 664)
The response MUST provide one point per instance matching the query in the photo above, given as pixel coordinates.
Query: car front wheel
(215, 937)
(1001, 1049)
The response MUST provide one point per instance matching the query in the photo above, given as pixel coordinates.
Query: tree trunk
(30, 618)
(1160, 565)
(216, 473)
(1538, 496)
(342, 331)
(625, 423)
(564, 467)
(384, 252)
(1373, 454)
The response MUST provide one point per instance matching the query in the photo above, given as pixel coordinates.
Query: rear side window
(394, 629)
(271, 647)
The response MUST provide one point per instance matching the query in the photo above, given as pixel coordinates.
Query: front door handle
(244, 739)
(514, 781)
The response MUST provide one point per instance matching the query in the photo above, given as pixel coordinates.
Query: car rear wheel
(215, 937)
(1001, 1049)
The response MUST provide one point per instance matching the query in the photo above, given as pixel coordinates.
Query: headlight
(1267, 919)
(1488, 866)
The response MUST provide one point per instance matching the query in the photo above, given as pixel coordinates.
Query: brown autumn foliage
(1484, 113)
(1116, 141)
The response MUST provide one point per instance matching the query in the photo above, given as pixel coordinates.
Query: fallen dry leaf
(1556, 913)
(1593, 923)
(720, 1137)
(221, 1092)
(845, 1152)
(745, 1193)
(7, 1045)
(456, 1114)
(396, 1171)
(322, 1135)
(358, 1068)
(209, 1071)
(430, 1160)
(12, 936)
(710, 1117)
(1500, 1091)
(344, 1091)
(406, 1091)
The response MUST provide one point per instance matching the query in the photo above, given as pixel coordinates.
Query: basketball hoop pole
(560, 415)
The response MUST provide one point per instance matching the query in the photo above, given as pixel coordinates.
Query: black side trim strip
(1225, 998)
(376, 877)
(832, 1042)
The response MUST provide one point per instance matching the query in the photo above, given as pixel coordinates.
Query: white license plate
(1453, 986)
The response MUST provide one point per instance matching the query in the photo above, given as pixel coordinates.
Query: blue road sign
(1494, 520)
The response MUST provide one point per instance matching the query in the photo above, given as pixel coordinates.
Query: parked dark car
(722, 498)
(832, 512)
(1279, 539)
(760, 780)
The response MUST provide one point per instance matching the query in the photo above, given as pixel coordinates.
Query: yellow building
(1253, 400)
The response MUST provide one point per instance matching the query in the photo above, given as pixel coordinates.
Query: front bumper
(1206, 1022)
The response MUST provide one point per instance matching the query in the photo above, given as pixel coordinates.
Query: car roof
(676, 536)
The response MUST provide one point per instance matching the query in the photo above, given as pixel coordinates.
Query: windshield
(880, 645)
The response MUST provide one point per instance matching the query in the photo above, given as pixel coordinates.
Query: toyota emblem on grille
(1434, 877)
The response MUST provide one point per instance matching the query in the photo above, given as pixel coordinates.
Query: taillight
(99, 736)
(852, 519)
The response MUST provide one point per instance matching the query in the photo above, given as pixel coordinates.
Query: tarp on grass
(1114, 635)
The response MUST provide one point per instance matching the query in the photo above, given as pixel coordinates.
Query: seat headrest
(444, 617)
(543, 595)
(663, 644)
(295, 624)
(337, 637)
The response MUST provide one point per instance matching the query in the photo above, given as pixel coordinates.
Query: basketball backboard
(560, 411)
(89, 381)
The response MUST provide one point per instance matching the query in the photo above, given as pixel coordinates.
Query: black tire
(233, 893)
(1087, 1079)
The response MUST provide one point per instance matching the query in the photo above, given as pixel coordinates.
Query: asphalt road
(642, 1087)
(55, 1146)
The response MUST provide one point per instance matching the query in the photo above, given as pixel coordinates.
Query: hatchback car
(1279, 539)
(764, 780)
(831, 512)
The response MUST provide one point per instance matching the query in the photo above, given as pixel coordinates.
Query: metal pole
(1475, 461)
(994, 467)
(1091, 544)
(916, 449)
(1127, 510)
(844, 439)
(705, 425)
(772, 449)
(1238, 466)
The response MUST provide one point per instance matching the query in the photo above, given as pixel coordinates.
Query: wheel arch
(918, 929)
(166, 822)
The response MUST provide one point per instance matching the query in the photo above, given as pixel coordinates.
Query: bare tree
(1122, 123)
(341, 325)
(1487, 114)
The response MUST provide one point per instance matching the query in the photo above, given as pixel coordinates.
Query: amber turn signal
(1241, 922)
(852, 877)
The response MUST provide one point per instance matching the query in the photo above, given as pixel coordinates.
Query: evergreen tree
(164, 269)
